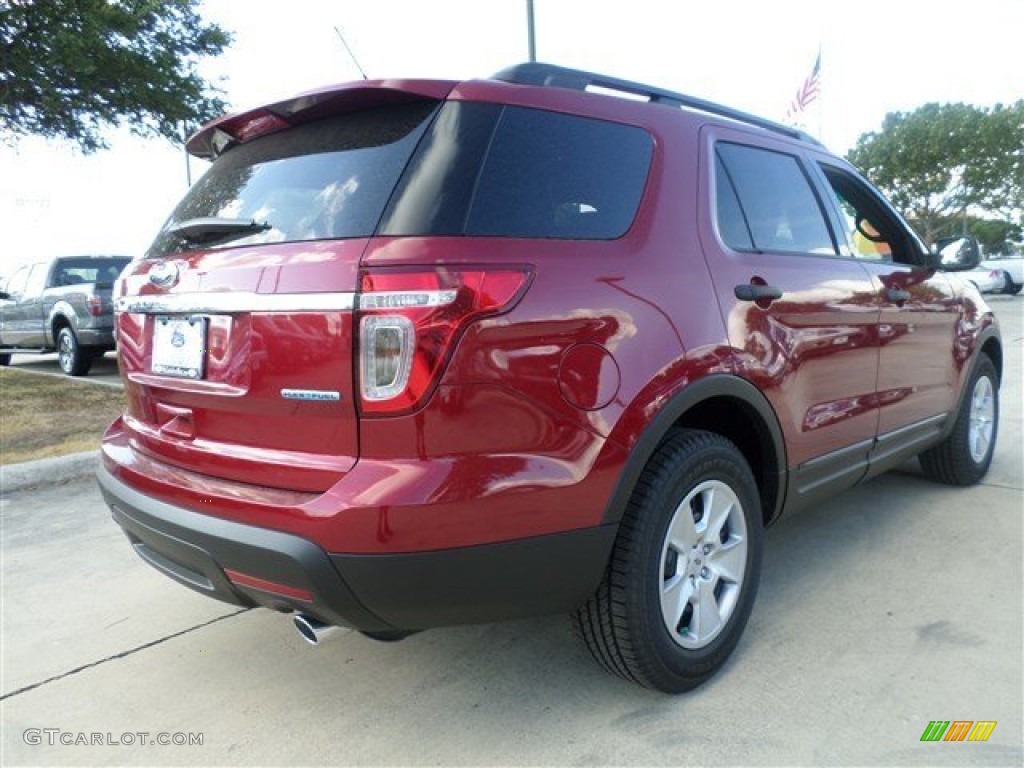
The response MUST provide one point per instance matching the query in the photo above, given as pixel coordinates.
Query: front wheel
(684, 571)
(5, 359)
(73, 358)
(964, 456)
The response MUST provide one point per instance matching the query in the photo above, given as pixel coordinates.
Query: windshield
(328, 179)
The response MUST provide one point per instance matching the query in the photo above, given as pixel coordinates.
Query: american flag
(807, 92)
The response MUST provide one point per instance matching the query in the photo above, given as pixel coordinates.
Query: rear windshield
(475, 169)
(73, 271)
(326, 179)
(492, 170)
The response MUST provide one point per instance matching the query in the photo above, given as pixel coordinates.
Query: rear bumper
(96, 337)
(249, 565)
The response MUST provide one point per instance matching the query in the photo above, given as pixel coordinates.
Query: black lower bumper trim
(377, 593)
(490, 582)
(195, 549)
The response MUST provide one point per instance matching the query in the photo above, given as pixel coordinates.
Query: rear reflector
(270, 587)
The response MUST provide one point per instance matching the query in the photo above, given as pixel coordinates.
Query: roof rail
(536, 73)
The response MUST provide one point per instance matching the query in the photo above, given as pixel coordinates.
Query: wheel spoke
(682, 534)
(706, 617)
(675, 594)
(717, 508)
(730, 561)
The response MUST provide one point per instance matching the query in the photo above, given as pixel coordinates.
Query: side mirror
(5, 296)
(957, 254)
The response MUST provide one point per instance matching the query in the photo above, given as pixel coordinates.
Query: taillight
(409, 322)
(95, 305)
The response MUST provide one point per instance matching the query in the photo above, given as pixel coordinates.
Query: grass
(44, 416)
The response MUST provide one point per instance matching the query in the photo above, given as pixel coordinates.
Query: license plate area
(179, 346)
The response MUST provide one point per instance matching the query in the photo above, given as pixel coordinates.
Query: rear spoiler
(224, 132)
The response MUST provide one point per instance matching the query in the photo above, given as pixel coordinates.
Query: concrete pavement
(893, 605)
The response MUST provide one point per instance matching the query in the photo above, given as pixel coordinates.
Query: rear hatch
(236, 329)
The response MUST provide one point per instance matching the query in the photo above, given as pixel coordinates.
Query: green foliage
(942, 159)
(70, 68)
(995, 236)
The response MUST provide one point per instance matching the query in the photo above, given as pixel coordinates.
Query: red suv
(422, 353)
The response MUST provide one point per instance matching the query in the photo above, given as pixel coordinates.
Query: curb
(60, 469)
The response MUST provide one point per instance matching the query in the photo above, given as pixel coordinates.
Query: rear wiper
(213, 228)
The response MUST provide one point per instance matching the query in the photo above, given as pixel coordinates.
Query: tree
(70, 68)
(942, 160)
(995, 236)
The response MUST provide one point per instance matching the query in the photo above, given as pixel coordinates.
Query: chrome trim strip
(235, 301)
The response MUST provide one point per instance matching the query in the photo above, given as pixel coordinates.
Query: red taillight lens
(409, 321)
(94, 305)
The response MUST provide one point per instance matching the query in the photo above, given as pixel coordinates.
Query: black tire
(1008, 287)
(5, 359)
(74, 359)
(1014, 288)
(623, 624)
(960, 459)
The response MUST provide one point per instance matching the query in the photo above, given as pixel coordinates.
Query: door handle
(897, 295)
(751, 292)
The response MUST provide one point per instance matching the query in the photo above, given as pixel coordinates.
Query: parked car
(61, 305)
(420, 353)
(1011, 268)
(986, 278)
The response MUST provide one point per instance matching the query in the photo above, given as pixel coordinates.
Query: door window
(37, 280)
(872, 231)
(771, 194)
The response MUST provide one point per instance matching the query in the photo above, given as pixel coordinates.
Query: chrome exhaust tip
(314, 631)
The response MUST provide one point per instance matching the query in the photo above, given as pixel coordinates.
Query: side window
(870, 231)
(553, 175)
(37, 280)
(778, 206)
(491, 171)
(16, 285)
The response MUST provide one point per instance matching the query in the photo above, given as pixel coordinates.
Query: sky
(877, 56)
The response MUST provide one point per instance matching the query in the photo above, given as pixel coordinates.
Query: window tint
(731, 223)
(777, 202)
(326, 179)
(487, 170)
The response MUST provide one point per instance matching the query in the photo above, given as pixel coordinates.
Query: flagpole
(821, 99)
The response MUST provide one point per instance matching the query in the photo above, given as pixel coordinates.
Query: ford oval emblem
(164, 274)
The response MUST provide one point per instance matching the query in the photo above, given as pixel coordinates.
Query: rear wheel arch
(726, 405)
(57, 322)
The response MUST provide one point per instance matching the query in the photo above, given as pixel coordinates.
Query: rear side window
(492, 170)
(74, 271)
(779, 209)
(328, 179)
